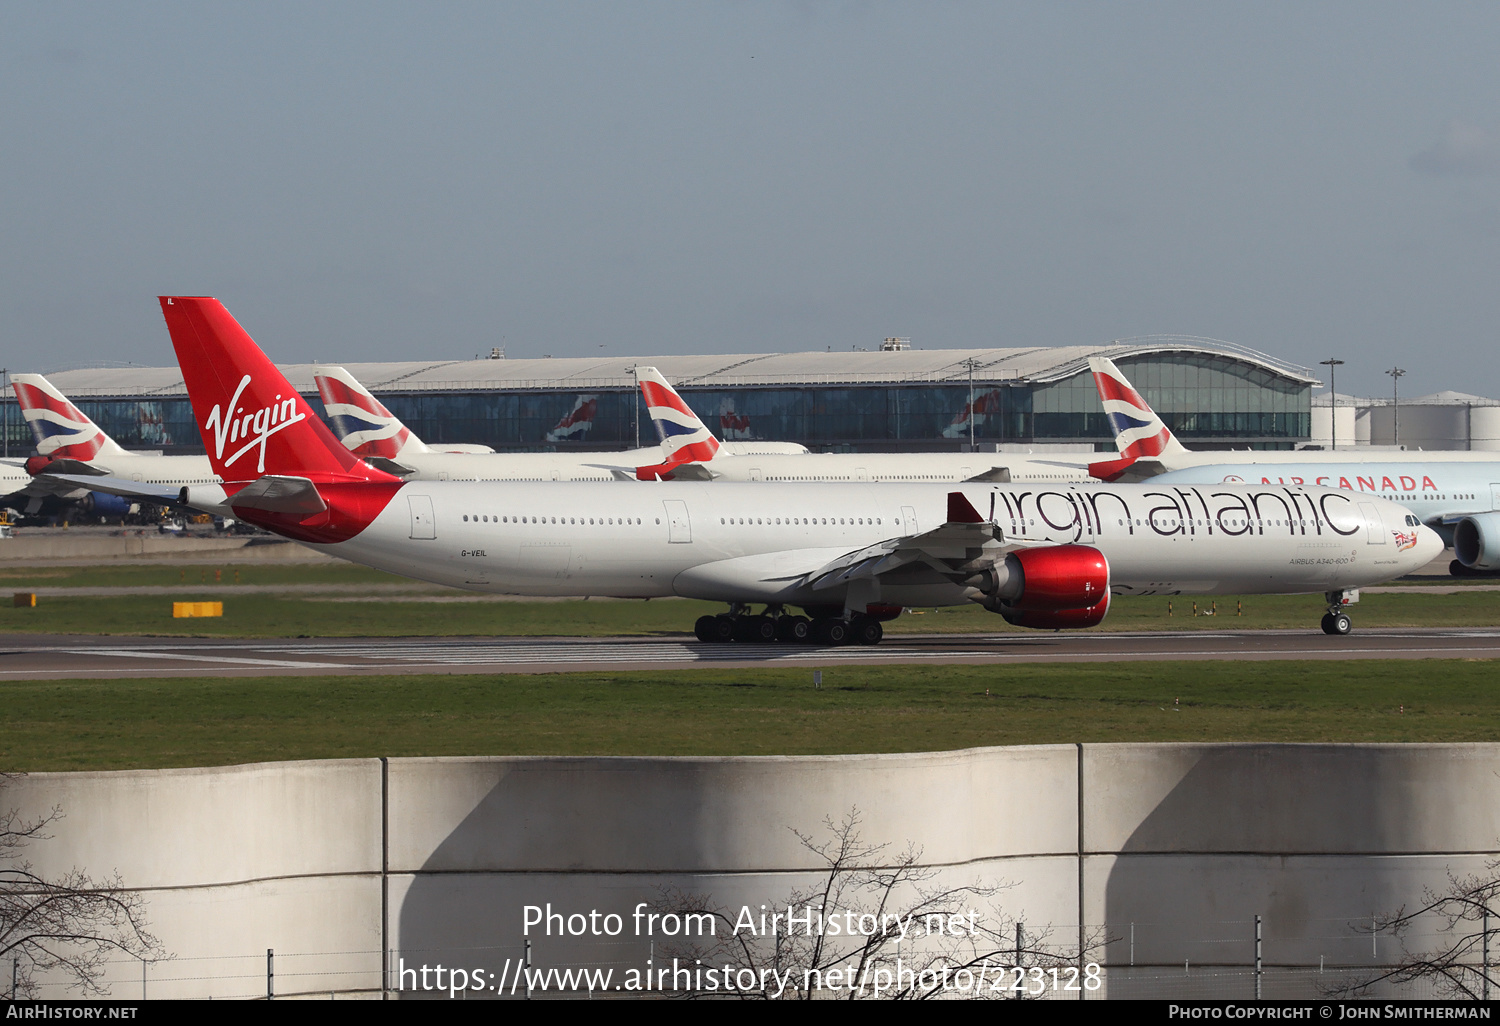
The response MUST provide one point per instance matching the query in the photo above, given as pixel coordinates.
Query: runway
(47, 657)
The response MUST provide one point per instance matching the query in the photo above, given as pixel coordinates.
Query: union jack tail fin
(62, 430)
(684, 438)
(252, 420)
(1138, 430)
(366, 427)
(578, 421)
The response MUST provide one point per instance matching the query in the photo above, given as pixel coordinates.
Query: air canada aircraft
(377, 436)
(849, 555)
(1455, 493)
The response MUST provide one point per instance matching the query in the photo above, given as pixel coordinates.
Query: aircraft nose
(1429, 547)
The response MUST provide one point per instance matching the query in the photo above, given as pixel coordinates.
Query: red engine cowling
(1061, 577)
(1061, 586)
(1057, 619)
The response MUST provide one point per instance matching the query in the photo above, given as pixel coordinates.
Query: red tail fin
(252, 420)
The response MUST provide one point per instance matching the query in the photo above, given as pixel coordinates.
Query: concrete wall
(1187, 842)
(39, 546)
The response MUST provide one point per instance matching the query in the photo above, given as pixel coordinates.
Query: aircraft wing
(162, 495)
(963, 546)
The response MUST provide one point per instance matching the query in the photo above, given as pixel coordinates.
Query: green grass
(115, 724)
(270, 616)
(21, 578)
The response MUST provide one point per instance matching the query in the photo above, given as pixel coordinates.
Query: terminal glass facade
(1203, 397)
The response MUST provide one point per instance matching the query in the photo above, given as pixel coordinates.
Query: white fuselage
(167, 471)
(1341, 457)
(13, 478)
(898, 468)
(1434, 490)
(561, 466)
(734, 542)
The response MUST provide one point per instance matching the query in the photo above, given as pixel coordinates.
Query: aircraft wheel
(830, 631)
(794, 629)
(866, 631)
(717, 630)
(704, 629)
(754, 629)
(1337, 624)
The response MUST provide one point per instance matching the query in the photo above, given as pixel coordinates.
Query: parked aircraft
(694, 454)
(78, 462)
(1456, 493)
(848, 555)
(377, 436)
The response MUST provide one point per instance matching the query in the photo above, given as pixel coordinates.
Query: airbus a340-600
(849, 555)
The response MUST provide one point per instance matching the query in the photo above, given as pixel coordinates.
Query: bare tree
(953, 940)
(68, 926)
(1461, 964)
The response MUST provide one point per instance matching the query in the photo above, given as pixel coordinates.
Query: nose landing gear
(1336, 621)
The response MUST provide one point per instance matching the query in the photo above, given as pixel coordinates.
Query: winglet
(961, 510)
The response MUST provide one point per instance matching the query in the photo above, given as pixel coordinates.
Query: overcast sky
(413, 181)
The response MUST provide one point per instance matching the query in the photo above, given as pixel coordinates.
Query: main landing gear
(1336, 621)
(775, 624)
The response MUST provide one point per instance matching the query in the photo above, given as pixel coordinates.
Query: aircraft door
(423, 523)
(679, 527)
(909, 519)
(1495, 496)
(1375, 529)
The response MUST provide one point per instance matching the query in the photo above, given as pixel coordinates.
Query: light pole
(1395, 373)
(1333, 394)
(970, 362)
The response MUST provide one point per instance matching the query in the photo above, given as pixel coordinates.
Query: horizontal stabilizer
(63, 465)
(390, 466)
(276, 494)
(1129, 469)
(675, 472)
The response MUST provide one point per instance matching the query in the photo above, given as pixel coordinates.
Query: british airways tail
(282, 468)
(364, 424)
(684, 438)
(360, 420)
(62, 431)
(1139, 432)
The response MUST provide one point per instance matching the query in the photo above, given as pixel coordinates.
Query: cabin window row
(596, 521)
(804, 521)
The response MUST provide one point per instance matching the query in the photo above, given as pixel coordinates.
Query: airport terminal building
(893, 397)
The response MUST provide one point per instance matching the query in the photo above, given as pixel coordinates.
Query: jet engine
(1476, 541)
(106, 505)
(208, 498)
(1060, 586)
